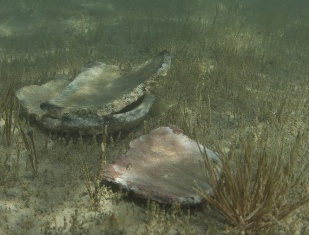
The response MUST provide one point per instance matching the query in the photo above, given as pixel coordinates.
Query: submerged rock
(99, 96)
(163, 166)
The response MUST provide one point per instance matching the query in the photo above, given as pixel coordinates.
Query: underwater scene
(132, 117)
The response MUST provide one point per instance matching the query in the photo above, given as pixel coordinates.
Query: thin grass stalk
(33, 156)
(30, 147)
(94, 192)
(8, 107)
(8, 125)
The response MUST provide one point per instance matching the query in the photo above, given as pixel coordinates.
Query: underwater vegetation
(253, 191)
(238, 84)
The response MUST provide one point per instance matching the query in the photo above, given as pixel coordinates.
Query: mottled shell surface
(165, 166)
(98, 96)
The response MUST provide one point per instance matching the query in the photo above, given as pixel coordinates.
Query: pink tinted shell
(163, 166)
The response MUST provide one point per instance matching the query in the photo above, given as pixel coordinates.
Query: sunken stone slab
(163, 166)
(99, 96)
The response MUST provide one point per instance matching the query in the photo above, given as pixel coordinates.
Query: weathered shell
(165, 166)
(99, 96)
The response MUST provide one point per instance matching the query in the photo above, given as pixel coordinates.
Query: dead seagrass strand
(98, 96)
(165, 166)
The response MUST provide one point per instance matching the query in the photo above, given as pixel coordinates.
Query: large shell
(165, 166)
(99, 96)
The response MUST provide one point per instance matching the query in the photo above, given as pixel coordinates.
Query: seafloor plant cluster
(237, 84)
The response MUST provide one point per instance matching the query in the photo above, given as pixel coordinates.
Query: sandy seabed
(247, 62)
